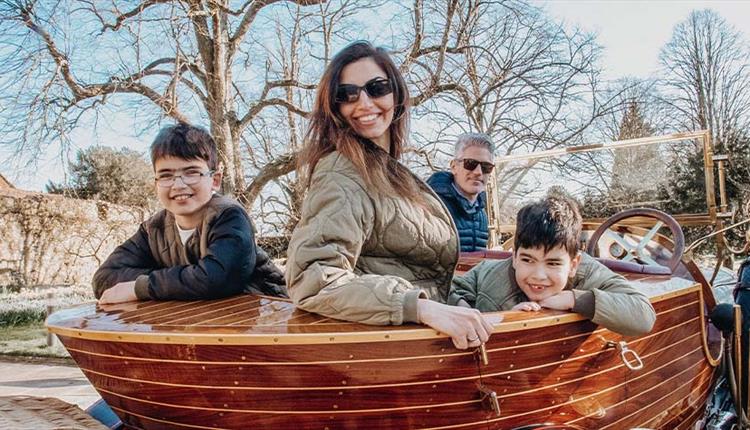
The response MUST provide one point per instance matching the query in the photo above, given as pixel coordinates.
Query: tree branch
(282, 165)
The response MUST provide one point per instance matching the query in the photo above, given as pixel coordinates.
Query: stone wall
(48, 239)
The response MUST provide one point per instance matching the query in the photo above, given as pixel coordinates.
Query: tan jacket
(600, 294)
(362, 256)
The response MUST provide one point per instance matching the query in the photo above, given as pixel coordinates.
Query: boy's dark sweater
(220, 259)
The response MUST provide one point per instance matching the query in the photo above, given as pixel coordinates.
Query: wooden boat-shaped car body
(258, 361)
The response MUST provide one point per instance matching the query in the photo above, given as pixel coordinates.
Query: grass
(29, 340)
(22, 331)
(30, 305)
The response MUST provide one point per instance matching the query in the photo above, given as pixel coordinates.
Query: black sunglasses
(375, 88)
(471, 164)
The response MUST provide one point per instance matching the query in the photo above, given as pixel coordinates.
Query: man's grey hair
(473, 139)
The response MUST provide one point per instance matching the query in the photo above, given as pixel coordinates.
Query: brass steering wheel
(639, 252)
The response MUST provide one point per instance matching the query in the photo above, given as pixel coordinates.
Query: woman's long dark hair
(329, 131)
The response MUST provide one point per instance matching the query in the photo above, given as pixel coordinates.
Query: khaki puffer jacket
(361, 256)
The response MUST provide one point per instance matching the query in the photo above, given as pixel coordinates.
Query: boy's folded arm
(464, 288)
(126, 263)
(617, 305)
(230, 245)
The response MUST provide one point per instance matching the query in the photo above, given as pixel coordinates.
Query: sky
(631, 33)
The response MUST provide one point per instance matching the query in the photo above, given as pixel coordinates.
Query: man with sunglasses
(462, 189)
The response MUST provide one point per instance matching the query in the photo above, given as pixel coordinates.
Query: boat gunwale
(387, 334)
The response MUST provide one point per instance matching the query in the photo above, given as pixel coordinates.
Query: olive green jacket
(359, 255)
(601, 295)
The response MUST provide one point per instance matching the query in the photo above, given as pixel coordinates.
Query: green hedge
(30, 305)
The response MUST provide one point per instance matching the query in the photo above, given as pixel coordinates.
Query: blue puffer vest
(470, 221)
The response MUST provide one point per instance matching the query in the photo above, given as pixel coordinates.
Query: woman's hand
(466, 327)
(527, 306)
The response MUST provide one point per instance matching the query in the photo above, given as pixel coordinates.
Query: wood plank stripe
(292, 412)
(171, 423)
(705, 370)
(352, 387)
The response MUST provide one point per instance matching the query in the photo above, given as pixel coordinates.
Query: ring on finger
(472, 339)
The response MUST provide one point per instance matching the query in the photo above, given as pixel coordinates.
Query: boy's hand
(466, 327)
(562, 301)
(121, 292)
(527, 306)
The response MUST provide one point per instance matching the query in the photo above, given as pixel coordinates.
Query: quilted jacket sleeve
(610, 300)
(464, 288)
(337, 219)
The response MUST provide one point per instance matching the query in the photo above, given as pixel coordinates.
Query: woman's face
(369, 117)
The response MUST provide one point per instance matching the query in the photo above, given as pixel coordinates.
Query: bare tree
(248, 70)
(707, 77)
(706, 85)
(185, 58)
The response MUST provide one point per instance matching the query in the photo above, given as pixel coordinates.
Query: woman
(374, 244)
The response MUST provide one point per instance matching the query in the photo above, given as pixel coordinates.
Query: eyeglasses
(470, 164)
(375, 88)
(191, 177)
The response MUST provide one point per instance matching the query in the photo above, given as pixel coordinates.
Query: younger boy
(547, 270)
(201, 246)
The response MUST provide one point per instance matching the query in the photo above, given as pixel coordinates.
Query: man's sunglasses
(375, 88)
(470, 164)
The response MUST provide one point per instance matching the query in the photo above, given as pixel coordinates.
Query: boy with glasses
(462, 189)
(200, 246)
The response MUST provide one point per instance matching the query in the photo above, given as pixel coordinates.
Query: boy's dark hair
(184, 141)
(552, 221)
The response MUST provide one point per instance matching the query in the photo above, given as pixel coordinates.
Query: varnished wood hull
(169, 365)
